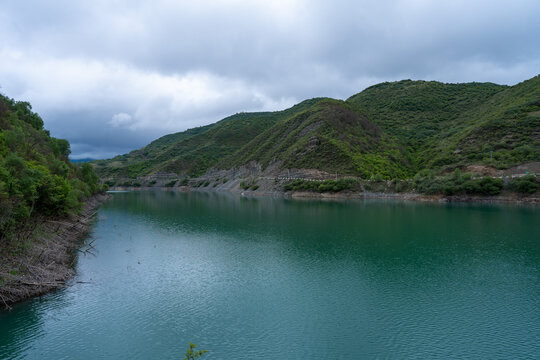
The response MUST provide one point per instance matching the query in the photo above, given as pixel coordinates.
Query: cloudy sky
(110, 76)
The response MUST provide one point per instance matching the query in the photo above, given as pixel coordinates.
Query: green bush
(322, 186)
(192, 353)
(490, 186)
(526, 185)
(425, 182)
(399, 187)
(244, 185)
(471, 187)
(456, 183)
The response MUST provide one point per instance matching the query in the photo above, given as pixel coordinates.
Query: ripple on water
(268, 278)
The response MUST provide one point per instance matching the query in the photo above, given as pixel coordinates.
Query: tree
(90, 177)
(60, 147)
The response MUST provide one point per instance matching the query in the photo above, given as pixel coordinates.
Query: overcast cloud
(110, 76)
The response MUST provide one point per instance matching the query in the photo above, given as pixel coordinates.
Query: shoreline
(508, 198)
(45, 261)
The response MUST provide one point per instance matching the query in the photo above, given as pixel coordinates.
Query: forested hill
(393, 130)
(458, 124)
(36, 177)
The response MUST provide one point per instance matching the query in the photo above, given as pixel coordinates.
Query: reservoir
(273, 278)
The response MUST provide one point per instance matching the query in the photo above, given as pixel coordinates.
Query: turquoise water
(265, 278)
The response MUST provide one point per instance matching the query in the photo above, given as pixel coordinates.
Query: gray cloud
(112, 76)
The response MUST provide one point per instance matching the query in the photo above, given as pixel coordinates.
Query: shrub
(192, 353)
(244, 185)
(471, 187)
(321, 186)
(377, 177)
(526, 185)
(399, 187)
(490, 186)
(456, 183)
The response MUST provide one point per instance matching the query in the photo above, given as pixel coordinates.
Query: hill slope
(36, 177)
(392, 129)
(196, 150)
(328, 136)
(458, 124)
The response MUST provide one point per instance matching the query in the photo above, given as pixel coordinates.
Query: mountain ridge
(392, 129)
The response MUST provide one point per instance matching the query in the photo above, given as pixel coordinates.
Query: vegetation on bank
(425, 182)
(391, 130)
(322, 186)
(456, 183)
(36, 176)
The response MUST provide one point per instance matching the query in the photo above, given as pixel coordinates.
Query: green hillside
(36, 177)
(194, 151)
(327, 136)
(458, 124)
(391, 129)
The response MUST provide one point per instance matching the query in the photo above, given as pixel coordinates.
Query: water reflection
(322, 279)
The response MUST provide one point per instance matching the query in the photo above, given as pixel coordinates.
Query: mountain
(458, 124)
(393, 130)
(196, 150)
(83, 160)
(327, 136)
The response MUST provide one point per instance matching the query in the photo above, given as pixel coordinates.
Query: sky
(112, 75)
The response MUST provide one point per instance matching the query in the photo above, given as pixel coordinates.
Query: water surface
(265, 278)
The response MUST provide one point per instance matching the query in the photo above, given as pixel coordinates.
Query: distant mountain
(391, 129)
(83, 160)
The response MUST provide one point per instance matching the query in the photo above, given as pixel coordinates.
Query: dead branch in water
(42, 284)
(5, 303)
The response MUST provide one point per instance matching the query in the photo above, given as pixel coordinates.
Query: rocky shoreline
(234, 187)
(43, 259)
(253, 180)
